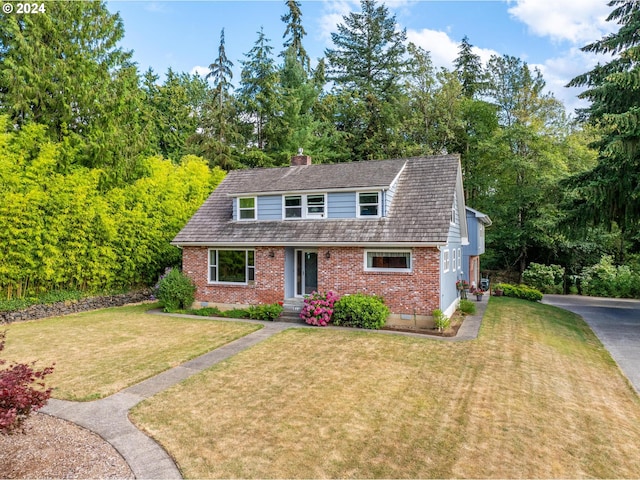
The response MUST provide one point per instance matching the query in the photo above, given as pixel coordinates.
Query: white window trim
(255, 209)
(377, 192)
(305, 206)
(388, 270)
(445, 260)
(247, 267)
(459, 259)
(454, 260)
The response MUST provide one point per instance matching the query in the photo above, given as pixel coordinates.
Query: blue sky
(547, 34)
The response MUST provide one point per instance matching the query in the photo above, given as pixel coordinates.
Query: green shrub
(604, 279)
(361, 311)
(546, 278)
(236, 313)
(265, 312)
(467, 307)
(520, 291)
(440, 320)
(175, 291)
(206, 312)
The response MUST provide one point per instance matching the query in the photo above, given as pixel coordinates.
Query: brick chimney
(300, 159)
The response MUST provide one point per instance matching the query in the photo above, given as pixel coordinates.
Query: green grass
(536, 395)
(102, 352)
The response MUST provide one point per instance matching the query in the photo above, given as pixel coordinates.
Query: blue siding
(270, 207)
(341, 205)
(235, 208)
(454, 228)
(289, 272)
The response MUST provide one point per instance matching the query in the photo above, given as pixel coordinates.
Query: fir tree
(295, 32)
(367, 65)
(610, 193)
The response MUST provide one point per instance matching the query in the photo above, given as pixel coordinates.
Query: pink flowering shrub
(318, 308)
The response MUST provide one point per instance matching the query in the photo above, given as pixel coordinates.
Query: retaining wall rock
(74, 306)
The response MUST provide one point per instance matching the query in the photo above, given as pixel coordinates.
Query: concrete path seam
(109, 416)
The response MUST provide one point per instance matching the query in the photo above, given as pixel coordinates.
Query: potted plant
(478, 294)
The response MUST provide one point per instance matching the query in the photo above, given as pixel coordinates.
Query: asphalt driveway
(615, 321)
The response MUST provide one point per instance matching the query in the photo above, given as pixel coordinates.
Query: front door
(306, 272)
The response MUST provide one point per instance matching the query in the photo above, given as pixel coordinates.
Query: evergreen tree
(469, 69)
(177, 109)
(220, 72)
(56, 68)
(295, 32)
(610, 193)
(258, 92)
(367, 65)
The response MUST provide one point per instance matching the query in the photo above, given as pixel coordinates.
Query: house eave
(311, 244)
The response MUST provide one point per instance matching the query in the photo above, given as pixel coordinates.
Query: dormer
(358, 190)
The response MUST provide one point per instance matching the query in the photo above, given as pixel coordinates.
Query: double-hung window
(368, 204)
(293, 206)
(247, 208)
(385, 260)
(454, 258)
(315, 206)
(305, 206)
(445, 260)
(231, 266)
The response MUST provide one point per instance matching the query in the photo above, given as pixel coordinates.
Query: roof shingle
(420, 212)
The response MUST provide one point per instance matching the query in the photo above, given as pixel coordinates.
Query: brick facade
(341, 271)
(268, 287)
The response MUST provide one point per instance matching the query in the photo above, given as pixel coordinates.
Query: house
(476, 224)
(394, 228)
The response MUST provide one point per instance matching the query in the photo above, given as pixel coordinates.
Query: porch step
(291, 310)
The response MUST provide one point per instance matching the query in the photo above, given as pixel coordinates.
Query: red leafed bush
(22, 391)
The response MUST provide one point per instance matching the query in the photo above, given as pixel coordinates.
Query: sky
(547, 34)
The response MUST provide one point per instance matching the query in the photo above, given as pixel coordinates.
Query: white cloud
(199, 70)
(442, 48)
(559, 71)
(334, 11)
(578, 21)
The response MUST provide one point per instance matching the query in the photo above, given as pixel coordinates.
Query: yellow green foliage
(60, 230)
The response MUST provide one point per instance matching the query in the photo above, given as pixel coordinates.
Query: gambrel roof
(420, 212)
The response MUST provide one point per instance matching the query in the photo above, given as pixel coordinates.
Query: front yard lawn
(536, 395)
(102, 352)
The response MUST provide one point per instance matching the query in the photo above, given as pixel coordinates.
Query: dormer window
(315, 206)
(305, 206)
(369, 204)
(293, 206)
(247, 208)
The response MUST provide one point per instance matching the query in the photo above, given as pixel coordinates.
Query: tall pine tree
(610, 193)
(294, 33)
(367, 64)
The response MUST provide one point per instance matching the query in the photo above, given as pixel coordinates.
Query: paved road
(615, 321)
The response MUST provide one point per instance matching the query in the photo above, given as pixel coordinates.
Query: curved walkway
(109, 417)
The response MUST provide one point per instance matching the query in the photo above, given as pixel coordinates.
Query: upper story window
(445, 261)
(315, 206)
(293, 206)
(305, 206)
(247, 208)
(368, 204)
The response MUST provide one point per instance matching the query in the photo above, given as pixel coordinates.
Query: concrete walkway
(109, 417)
